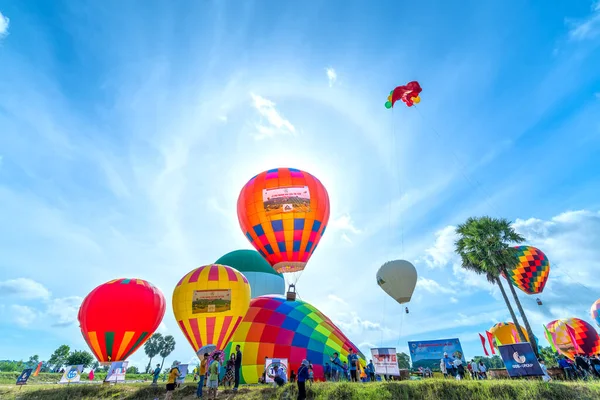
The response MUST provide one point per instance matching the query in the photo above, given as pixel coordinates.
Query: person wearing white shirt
(482, 370)
(474, 370)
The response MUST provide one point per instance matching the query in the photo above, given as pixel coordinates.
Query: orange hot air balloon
(209, 303)
(116, 318)
(284, 212)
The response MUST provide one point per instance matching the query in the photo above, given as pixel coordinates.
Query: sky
(127, 131)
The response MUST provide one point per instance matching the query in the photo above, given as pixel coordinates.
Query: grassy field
(427, 390)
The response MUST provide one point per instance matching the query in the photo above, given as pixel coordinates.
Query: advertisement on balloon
(117, 371)
(72, 374)
(520, 360)
(385, 361)
(428, 353)
(211, 301)
(270, 364)
(288, 199)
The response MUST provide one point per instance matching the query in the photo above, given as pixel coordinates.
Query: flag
(491, 340)
(91, 375)
(549, 338)
(483, 344)
(573, 339)
(515, 336)
(37, 370)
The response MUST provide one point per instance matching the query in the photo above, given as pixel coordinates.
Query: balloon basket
(291, 293)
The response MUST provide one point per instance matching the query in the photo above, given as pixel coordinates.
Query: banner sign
(520, 360)
(117, 371)
(385, 361)
(72, 374)
(296, 199)
(270, 364)
(22, 379)
(428, 353)
(183, 371)
(211, 301)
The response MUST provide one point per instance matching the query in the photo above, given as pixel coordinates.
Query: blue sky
(128, 129)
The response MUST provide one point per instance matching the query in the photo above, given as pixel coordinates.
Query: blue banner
(428, 353)
(520, 360)
(22, 379)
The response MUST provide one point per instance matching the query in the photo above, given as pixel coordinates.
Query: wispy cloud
(331, 76)
(336, 299)
(4, 24)
(588, 27)
(23, 288)
(63, 312)
(433, 286)
(442, 252)
(23, 316)
(272, 122)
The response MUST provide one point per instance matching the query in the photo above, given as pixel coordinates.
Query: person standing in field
(202, 375)
(238, 366)
(173, 375)
(213, 376)
(336, 367)
(156, 375)
(443, 368)
(352, 361)
(302, 378)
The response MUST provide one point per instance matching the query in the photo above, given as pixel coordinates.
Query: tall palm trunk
(525, 320)
(149, 366)
(510, 309)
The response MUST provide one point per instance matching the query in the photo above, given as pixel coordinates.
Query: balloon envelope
(565, 330)
(117, 317)
(262, 278)
(284, 212)
(398, 278)
(532, 272)
(209, 303)
(506, 333)
(595, 312)
(277, 328)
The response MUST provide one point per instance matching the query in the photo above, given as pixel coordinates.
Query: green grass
(427, 390)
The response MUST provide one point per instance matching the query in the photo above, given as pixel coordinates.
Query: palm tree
(484, 246)
(152, 348)
(168, 345)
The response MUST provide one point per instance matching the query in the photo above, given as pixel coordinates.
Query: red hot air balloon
(284, 212)
(116, 318)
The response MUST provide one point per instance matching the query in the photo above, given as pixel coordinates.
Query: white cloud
(331, 76)
(453, 300)
(586, 28)
(344, 223)
(432, 286)
(272, 122)
(4, 24)
(442, 252)
(63, 311)
(23, 316)
(337, 299)
(23, 288)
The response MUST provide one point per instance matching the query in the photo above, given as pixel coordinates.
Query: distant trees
(159, 345)
(167, 348)
(59, 358)
(133, 370)
(403, 360)
(83, 357)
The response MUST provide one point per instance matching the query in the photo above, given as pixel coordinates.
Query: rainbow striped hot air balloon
(595, 311)
(574, 336)
(532, 272)
(117, 317)
(209, 303)
(278, 328)
(284, 212)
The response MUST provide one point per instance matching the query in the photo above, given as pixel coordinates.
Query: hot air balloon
(531, 274)
(595, 312)
(398, 278)
(284, 212)
(209, 303)
(573, 336)
(116, 318)
(278, 328)
(262, 278)
(506, 333)
(408, 93)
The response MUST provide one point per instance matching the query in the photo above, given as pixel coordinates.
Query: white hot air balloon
(398, 278)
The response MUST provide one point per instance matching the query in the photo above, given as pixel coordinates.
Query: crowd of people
(584, 367)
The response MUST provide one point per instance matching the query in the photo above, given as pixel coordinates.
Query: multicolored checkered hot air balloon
(595, 312)
(116, 318)
(277, 328)
(506, 333)
(284, 212)
(574, 336)
(209, 303)
(531, 274)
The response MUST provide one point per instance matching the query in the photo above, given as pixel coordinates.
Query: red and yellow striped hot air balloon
(284, 212)
(116, 318)
(209, 303)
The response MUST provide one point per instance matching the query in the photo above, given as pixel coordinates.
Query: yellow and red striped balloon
(209, 304)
